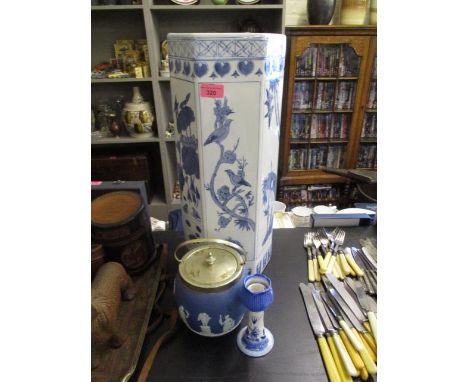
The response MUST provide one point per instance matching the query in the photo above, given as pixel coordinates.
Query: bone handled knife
(345, 358)
(364, 302)
(355, 341)
(319, 331)
(357, 361)
(359, 272)
(349, 306)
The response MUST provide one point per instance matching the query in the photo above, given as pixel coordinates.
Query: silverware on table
(319, 331)
(346, 367)
(324, 244)
(310, 264)
(355, 357)
(351, 333)
(369, 274)
(338, 240)
(363, 298)
(318, 246)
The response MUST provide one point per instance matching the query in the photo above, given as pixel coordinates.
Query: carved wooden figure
(111, 282)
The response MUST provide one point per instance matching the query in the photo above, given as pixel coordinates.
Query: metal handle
(210, 240)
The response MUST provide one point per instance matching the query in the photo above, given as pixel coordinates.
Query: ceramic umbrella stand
(226, 96)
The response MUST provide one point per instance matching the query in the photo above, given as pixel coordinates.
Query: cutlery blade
(347, 313)
(321, 309)
(331, 282)
(358, 289)
(369, 258)
(312, 311)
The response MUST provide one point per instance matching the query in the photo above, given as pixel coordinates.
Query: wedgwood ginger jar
(137, 116)
(208, 285)
(226, 95)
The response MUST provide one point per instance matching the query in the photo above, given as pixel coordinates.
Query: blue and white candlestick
(257, 295)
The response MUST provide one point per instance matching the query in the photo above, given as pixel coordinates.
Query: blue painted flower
(181, 178)
(190, 161)
(222, 111)
(229, 157)
(223, 193)
(223, 221)
(189, 141)
(269, 184)
(185, 117)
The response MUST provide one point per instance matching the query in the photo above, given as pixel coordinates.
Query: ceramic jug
(137, 116)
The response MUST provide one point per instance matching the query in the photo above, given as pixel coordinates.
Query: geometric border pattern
(212, 48)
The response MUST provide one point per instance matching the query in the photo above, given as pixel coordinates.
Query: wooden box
(135, 167)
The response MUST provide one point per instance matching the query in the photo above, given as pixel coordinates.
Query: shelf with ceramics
(122, 114)
(211, 4)
(236, 20)
(116, 7)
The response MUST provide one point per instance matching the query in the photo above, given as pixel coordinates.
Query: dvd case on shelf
(309, 195)
(300, 126)
(340, 125)
(314, 126)
(372, 100)
(367, 157)
(306, 63)
(325, 123)
(325, 93)
(328, 59)
(345, 95)
(298, 158)
(369, 126)
(349, 63)
(303, 93)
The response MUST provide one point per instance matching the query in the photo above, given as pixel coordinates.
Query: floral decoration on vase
(234, 199)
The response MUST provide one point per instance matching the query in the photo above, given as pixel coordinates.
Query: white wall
(296, 12)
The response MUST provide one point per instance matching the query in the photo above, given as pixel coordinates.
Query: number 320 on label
(212, 90)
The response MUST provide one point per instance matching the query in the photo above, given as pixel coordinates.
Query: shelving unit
(152, 21)
(329, 106)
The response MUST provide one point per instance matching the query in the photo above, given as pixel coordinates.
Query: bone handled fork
(310, 264)
(338, 240)
(314, 257)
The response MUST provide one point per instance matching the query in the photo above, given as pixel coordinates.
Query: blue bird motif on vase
(234, 203)
(237, 180)
(220, 133)
(269, 194)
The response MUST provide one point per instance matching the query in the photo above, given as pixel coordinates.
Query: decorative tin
(226, 93)
(208, 284)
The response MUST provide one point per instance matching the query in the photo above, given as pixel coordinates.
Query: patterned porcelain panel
(188, 161)
(233, 87)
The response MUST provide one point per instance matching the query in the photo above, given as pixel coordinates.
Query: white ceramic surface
(356, 211)
(301, 216)
(324, 210)
(226, 96)
(279, 206)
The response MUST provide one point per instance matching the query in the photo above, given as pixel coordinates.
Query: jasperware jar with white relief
(208, 284)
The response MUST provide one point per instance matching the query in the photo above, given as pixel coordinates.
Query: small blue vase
(256, 295)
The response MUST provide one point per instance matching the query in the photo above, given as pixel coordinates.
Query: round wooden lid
(115, 207)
